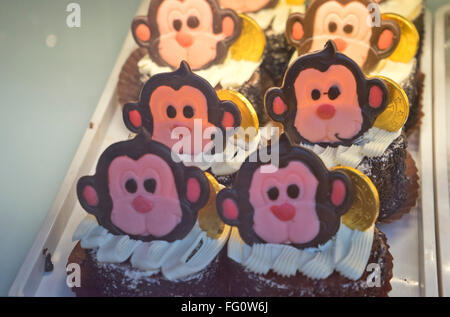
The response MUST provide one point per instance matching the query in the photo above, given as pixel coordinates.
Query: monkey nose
(284, 212)
(341, 44)
(326, 112)
(184, 39)
(142, 205)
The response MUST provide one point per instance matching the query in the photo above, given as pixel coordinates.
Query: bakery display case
(441, 142)
(408, 211)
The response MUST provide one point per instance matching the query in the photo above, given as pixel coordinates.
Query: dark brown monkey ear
(88, 195)
(378, 94)
(341, 195)
(228, 207)
(386, 38)
(295, 29)
(275, 105)
(132, 117)
(231, 25)
(141, 31)
(231, 115)
(197, 188)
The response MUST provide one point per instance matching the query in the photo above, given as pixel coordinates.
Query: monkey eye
(188, 112)
(334, 92)
(177, 24)
(315, 94)
(131, 186)
(332, 27)
(348, 28)
(273, 193)
(193, 22)
(171, 112)
(293, 191)
(150, 185)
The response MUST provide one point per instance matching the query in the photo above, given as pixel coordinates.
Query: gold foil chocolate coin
(251, 44)
(364, 211)
(397, 111)
(409, 39)
(295, 2)
(208, 218)
(249, 118)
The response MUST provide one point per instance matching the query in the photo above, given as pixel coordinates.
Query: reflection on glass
(447, 90)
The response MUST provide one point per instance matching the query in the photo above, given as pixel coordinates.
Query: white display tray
(441, 145)
(412, 239)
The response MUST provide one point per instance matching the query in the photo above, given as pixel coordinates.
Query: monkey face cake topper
(138, 190)
(247, 6)
(181, 99)
(325, 99)
(349, 24)
(197, 31)
(300, 204)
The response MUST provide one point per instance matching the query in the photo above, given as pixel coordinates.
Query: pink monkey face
(285, 205)
(186, 109)
(144, 196)
(347, 26)
(244, 5)
(328, 109)
(186, 32)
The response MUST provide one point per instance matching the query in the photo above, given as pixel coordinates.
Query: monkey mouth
(284, 212)
(342, 139)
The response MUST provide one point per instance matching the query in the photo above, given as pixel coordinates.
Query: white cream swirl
(373, 143)
(347, 253)
(276, 17)
(410, 9)
(397, 71)
(175, 260)
(230, 74)
(227, 162)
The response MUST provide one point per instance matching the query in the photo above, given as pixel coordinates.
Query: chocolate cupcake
(385, 47)
(328, 105)
(153, 232)
(302, 230)
(224, 48)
